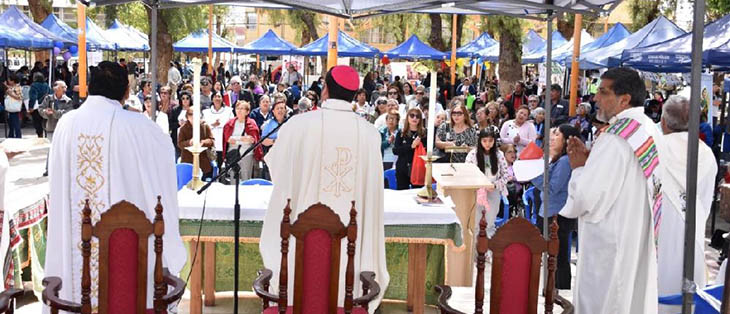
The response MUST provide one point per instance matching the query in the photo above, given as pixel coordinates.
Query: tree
(400, 26)
(717, 8)
(566, 24)
(304, 22)
(435, 38)
(39, 10)
(642, 12)
(509, 32)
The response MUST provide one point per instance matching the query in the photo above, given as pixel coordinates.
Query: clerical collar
(337, 104)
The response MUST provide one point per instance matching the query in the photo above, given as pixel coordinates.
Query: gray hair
(59, 83)
(533, 97)
(536, 111)
(304, 103)
(675, 113)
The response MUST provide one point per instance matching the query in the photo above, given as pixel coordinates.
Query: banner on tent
(706, 101)
(557, 74)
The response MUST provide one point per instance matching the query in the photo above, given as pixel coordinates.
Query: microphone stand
(232, 164)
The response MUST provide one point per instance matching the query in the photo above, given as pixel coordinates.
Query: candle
(196, 102)
(431, 114)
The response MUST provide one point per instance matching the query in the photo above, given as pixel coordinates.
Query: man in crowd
(173, 79)
(465, 88)
(320, 174)
(206, 91)
(145, 89)
(559, 108)
(105, 154)
(53, 106)
(674, 124)
(291, 76)
(518, 97)
(616, 200)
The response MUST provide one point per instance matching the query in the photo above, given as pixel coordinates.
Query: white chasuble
(4, 217)
(617, 266)
(329, 156)
(105, 154)
(671, 231)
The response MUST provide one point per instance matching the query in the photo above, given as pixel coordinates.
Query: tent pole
(688, 285)
(153, 57)
(210, 72)
(574, 71)
(332, 42)
(50, 69)
(546, 134)
(453, 55)
(83, 65)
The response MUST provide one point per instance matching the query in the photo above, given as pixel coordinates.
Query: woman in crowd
(506, 113)
(559, 172)
(13, 105)
(186, 101)
(185, 140)
(38, 90)
(581, 120)
(161, 117)
(387, 136)
(459, 133)
(368, 83)
(380, 108)
(216, 116)
(279, 114)
(394, 92)
(391, 104)
(218, 87)
(514, 188)
(408, 92)
(481, 117)
(493, 113)
(263, 112)
(314, 98)
(491, 162)
(239, 134)
(360, 104)
(405, 144)
(519, 131)
(539, 122)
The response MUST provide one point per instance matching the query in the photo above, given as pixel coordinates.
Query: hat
(346, 77)
(530, 164)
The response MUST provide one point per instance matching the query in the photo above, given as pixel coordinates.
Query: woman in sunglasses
(405, 145)
(457, 133)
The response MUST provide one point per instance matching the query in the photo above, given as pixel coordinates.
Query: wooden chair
(123, 233)
(7, 300)
(318, 232)
(517, 249)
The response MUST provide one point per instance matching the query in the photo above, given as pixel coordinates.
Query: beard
(602, 116)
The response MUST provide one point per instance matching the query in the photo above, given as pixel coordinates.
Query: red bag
(418, 166)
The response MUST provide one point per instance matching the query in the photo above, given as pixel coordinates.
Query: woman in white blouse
(519, 131)
(216, 116)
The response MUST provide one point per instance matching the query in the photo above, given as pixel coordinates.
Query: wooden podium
(461, 181)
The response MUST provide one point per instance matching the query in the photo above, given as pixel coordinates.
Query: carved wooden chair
(123, 233)
(318, 232)
(7, 300)
(517, 248)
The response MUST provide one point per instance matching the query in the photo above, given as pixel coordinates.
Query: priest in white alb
(674, 124)
(616, 197)
(329, 156)
(105, 154)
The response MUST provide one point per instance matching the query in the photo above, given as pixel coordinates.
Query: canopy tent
(413, 48)
(346, 47)
(198, 42)
(40, 38)
(98, 34)
(559, 45)
(659, 30)
(94, 39)
(10, 38)
(674, 55)
(476, 46)
(530, 44)
(616, 33)
(126, 39)
(268, 44)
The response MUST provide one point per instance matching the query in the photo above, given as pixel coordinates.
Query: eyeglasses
(414, 115)
(185, 98)
(392, 93)
(420, 93)
(457, 113)
(382, 102)
(235, 83)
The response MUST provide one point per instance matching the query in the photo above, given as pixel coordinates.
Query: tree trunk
(164, 45)
(39, 10)
(460, 19)
(510, 62)
(435, 39)
(219, 32)
(310, 31)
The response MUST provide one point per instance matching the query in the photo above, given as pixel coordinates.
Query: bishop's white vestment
(329, 156)
(671, 231)
(4, 215)
(106, 154)
(617, 266)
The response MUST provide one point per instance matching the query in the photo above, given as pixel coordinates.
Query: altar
(416, 237)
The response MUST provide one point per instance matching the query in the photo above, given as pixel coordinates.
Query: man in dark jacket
(560, 110)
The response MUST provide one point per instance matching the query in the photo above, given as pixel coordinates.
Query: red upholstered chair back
(517, 248)
(123, 232)
(318, 232)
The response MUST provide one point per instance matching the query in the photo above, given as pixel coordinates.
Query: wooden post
(332, 43)
(605, 25)
(81, 21)
(210, 39)
(574, 69)
(453, 54)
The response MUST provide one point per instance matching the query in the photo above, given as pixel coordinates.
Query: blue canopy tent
(476, 47)
(198, 42)
(538, 56)
(126, 39)
(531, 43)
(657, 31)
(40, 37)
(98, 34)
(413, 48)
(346, 47)
(9, 38)
(674, 55)
(94, 40)
(268, 44)
(615, 34)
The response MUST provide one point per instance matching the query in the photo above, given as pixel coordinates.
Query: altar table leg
(460, 262)
(416, 298)
(209, 273)
(196, 299)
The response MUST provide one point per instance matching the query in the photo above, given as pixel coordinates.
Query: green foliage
(395, 25)
(718, 8)
(135, 15)
(180, 21)
(496, 25)
(642, 12)
(296, 19)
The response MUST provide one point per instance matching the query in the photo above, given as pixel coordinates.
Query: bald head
(675, 114)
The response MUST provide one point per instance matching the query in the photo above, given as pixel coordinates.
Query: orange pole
(81, 21)
(574, 69)
(605, 25)
(210, 38)
(332, 42)
(453, 50)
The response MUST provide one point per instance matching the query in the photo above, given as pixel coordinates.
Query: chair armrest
(261, 286)
(6, 298)
(50, 296)
(177, 284)
(368, 284)
(443, 300)
(564, 304)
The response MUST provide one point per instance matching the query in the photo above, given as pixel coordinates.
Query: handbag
(13, 105)
(418, 166)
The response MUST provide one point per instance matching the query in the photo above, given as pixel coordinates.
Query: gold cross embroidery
(338, 170)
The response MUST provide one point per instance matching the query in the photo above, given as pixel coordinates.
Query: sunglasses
(414, 115)
(456, 113)
(382, 102)
(185, 98)
(392, 93)
(420, 93)
(235, 83)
